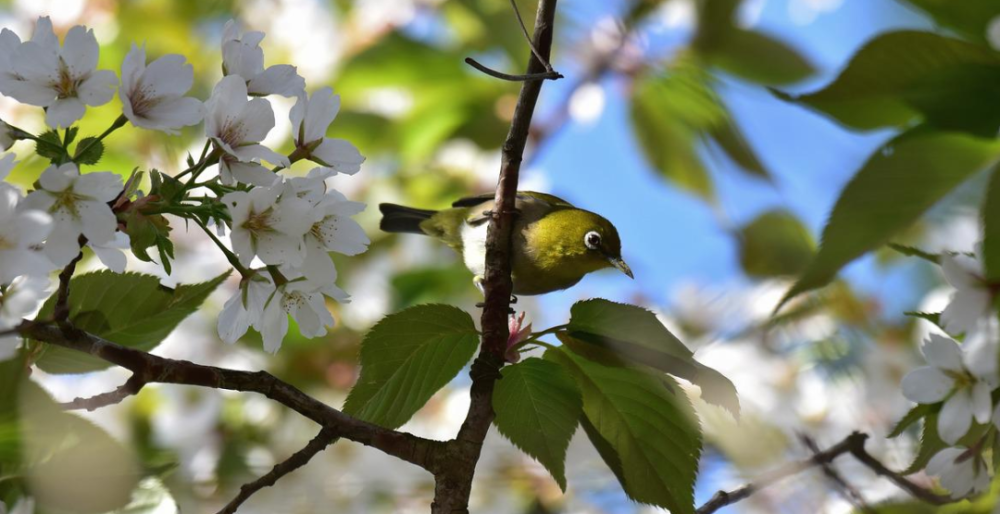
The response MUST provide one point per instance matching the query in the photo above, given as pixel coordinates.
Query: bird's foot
(515, 212)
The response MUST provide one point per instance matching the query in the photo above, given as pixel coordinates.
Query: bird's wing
(480, 206)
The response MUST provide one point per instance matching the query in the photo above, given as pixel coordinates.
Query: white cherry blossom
(961, 471)
(955, 377)
(972, 304)
(334, 232)
(78, 205)
(21, 232)
(153, 96)
(300, 300)
(113, 253)
(237, 126)
(310, 117)
(62, 78)
(269, 223)
(243, 56)
(20, 299)
(245, 308)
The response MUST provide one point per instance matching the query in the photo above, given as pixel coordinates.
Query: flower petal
(280, 79)
(64, 112)
(338, 154)
(956, 416)
(942, 352)
(927, 385)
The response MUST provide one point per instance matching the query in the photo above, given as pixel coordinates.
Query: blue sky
(671, 237)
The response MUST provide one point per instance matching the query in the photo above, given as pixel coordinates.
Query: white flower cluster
(962, 377)
(286, 225)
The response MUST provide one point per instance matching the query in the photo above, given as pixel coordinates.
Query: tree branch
(148, 368)
(131, 387)
(300, 458)
(455, 466)
(551, 75)
(854, 445)
(850, 493)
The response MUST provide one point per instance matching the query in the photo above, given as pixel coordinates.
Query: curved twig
(527, 77)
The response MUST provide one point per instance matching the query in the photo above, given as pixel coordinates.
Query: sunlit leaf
(130, 309)
(537, 407)
(990, 216)
(406, 358)
(902, 77)
(648, 432)
(897, 184)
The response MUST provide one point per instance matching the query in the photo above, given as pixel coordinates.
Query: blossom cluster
(281, 229)
(962, 378)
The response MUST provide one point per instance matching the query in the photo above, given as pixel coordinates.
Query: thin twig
(131, 387)
(527, 77)
(854, 445)
(850, 493)
(531, 44)
(300, 458)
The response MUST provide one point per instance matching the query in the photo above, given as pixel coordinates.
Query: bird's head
(578, 241)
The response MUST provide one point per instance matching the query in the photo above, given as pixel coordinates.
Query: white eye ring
(592, 240)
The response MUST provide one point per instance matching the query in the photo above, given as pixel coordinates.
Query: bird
(554, 243)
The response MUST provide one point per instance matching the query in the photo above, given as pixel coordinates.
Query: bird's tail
(398, 218)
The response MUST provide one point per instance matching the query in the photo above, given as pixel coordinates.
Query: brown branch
(551, 75)
(455, 466)
(61, 310)
(131, 387)
(850, 493)
(155, 369)
(300, 458)
(854, 445)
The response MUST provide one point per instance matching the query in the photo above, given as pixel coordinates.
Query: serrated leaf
(70, 464)
(70, 135)
(730, 140)
(406, 358)
(89, 151)
(775, 244)
(990, 215)
(130, 309)
(537, 407)
(649, 434)
(900, 77)
(606, 331)
(49, 146)
(914, 415)
(897, 184)
(930, 442)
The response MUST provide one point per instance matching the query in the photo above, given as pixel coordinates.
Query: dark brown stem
(61, 311)
(154, 369)
(455, 466)
(854, 445)
(300, 458)
(131, 387)
(551, 75)
(847, 490)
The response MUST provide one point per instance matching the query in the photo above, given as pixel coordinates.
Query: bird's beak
(620, 264)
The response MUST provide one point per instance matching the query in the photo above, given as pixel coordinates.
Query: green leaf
(775, 244)
(130, 309)
(70, 135)
(918, 412)
(649, 434)
(537, 407)
(730, 140)
(897, 184)
(406, 358)
(906, 76)
(49, 146)
(70, 464)
(613, 333)
(970, 17)
(758, 58)
(147, 231)
(89, 151)
(930, 442)
(991, 228)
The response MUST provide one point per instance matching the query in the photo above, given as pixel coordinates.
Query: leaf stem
(119, 122)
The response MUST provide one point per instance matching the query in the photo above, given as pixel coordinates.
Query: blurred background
(664, 124)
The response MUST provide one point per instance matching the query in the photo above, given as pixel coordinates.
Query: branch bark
(154, 369)
(853, 445)
(456, 466)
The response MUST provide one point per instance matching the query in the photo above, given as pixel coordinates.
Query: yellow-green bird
(554, 243)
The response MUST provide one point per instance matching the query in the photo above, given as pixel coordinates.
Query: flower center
(5, 244)
(293, 300)
(66, 201)
(233, 132)
(67, 84)
(259, 222)
(143, 99)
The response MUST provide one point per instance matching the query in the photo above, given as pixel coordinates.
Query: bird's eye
(592, 240)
